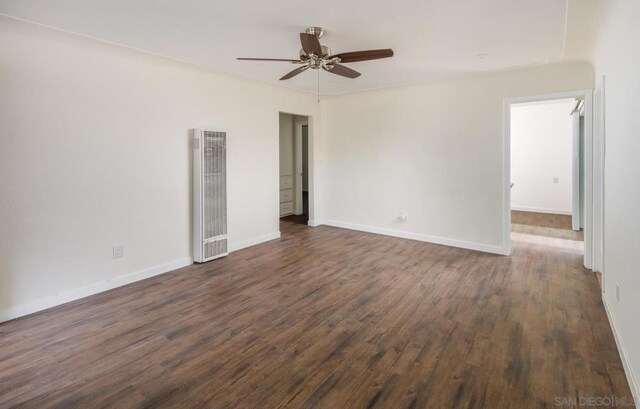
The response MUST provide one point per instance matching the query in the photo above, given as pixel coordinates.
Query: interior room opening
(294, 183)
(547, 171)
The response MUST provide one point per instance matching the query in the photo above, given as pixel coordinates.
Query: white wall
(541, 151)
(94, 152)
(616, 56)
(433, 150)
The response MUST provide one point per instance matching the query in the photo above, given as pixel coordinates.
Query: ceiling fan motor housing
(316, 31)
(316, 61)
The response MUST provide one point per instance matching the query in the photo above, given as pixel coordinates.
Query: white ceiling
(432, 39)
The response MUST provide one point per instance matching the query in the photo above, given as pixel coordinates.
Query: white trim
(506, 172)
(314, 223)
(310, 157)
(587, 94)
(588, 180)
(633, 385)
(253, 241)
(598, 151)
(541, 210)
(575, 171)
(91, 289)
(298, 176)
(420, 237)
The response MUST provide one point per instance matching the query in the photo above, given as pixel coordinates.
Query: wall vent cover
(209, 195)
(215, 248)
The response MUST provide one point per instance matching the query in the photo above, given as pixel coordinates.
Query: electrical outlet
(118, 251)
(618, 292)
(402, 216)
(555, 179)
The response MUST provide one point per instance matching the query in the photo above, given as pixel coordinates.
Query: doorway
(294, 187)
(548, 167)
(545, 195)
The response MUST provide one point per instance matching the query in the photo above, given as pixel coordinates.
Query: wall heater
(209, 195)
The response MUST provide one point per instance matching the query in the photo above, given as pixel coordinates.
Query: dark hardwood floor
(295, 219)
(327, 318)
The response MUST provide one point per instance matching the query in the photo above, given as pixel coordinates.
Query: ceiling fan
(315, 56)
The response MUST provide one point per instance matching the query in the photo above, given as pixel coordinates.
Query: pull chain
(318, 86)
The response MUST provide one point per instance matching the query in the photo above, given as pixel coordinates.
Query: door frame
(311, 124)
(599, 151)
(575, 170)
(297, 163)
(587, 96)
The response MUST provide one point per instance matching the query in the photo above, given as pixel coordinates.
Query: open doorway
(545, 169)
(548, 172)
(294, 169)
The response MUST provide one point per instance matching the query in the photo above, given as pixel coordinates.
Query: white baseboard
(82, 292)
(254, 241)
(633, 385)
(420, 237)
(314, 223)
(541, 210)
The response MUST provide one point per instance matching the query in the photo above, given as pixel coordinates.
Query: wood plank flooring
(327, 318)
(555, 221)
(543, 224)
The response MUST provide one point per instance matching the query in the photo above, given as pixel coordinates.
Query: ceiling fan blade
(356, 56)
(268, 59)
(343, 71)
(310, 44)
(295, 72)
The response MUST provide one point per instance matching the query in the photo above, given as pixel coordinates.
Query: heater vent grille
(215, 248)
(210, 194)
(215, 184)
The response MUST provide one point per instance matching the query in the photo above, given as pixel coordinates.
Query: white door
(598, 179)
(575, 174)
